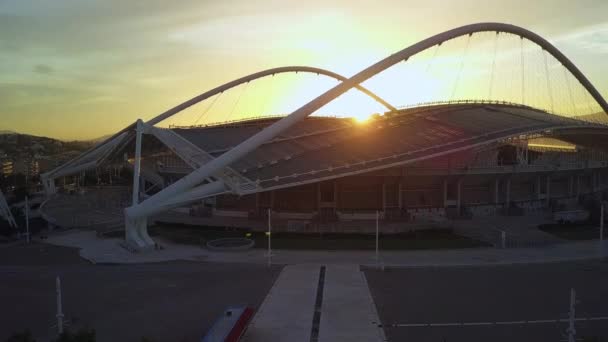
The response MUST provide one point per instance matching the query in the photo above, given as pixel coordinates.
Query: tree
(24, 336)
(83, 335)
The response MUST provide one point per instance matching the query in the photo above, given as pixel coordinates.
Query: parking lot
(482, 296)
(173, 301)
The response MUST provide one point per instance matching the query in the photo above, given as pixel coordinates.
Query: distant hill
(595, 117)
(16, 145)
(5, 131)
(100, 139)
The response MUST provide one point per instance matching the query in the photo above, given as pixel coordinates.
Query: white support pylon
(137, 162)
(5, 211)
(136, 229)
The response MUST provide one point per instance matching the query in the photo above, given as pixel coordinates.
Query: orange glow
(362, 120)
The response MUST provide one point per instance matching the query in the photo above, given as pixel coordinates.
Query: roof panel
(322, 147)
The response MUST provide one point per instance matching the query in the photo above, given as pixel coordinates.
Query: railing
(253, 120)
(470, 101)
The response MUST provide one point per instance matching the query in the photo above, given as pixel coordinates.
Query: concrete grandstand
(414, 166)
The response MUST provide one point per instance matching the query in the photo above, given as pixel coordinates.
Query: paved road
(173, 301)
(488, 294)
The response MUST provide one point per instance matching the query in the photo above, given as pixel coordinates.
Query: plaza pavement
(108, 250)
(335, 304)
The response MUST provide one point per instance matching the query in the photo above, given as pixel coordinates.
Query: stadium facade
(413, 166)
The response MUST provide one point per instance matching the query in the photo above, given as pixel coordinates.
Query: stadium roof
(321, 148)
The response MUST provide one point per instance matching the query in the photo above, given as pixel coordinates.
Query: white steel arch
(136, 215)
(258, 75)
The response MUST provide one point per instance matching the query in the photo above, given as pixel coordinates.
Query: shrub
(82, 335)
(24, 336)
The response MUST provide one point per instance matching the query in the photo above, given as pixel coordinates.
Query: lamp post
(572, 317)
(27, 221)
(269, 233)
(59, 306)
(602, 222)
(377, 236)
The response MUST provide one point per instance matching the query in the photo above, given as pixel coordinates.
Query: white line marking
(444, 324)
(477, 323)
(510, 322)
(543, 321)
(472, 324)
(412, 325)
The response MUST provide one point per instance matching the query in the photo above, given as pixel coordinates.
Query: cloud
(592, 39)
(43, 69)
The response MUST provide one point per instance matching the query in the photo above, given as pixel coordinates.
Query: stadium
(462, 156)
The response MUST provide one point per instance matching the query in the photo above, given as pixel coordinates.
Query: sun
(362, 119)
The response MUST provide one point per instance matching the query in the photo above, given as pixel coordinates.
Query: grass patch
(581, 231)
(422, 239)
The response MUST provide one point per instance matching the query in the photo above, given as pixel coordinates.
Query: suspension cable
(208, 108)
(522, 63)
(569, 90)
(493, 66)
(548, 81)
(237, 101)
(466, 48)
(268, 96)
(432, 59)
(590, 98)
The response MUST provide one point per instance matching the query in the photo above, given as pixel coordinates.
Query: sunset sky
(80, 69)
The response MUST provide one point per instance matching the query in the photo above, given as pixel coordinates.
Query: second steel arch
(260, 74)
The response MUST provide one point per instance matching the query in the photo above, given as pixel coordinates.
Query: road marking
(472, 324)
(542, 321)
(316, 317)
(478, 323)
(511, 322)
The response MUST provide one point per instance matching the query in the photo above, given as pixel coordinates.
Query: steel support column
(136, 229)
(445, 193)
(458, 195)
(496, 189)
(508, 192)
(548, 190)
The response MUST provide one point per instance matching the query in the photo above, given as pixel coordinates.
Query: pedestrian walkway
(520, 231)
(317, 303)
(348, 311)
(109, 251)
(287, 312)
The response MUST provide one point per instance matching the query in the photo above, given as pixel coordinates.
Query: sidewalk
(109, 251)
(348, 311)
(303, 307)
(287, 311)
